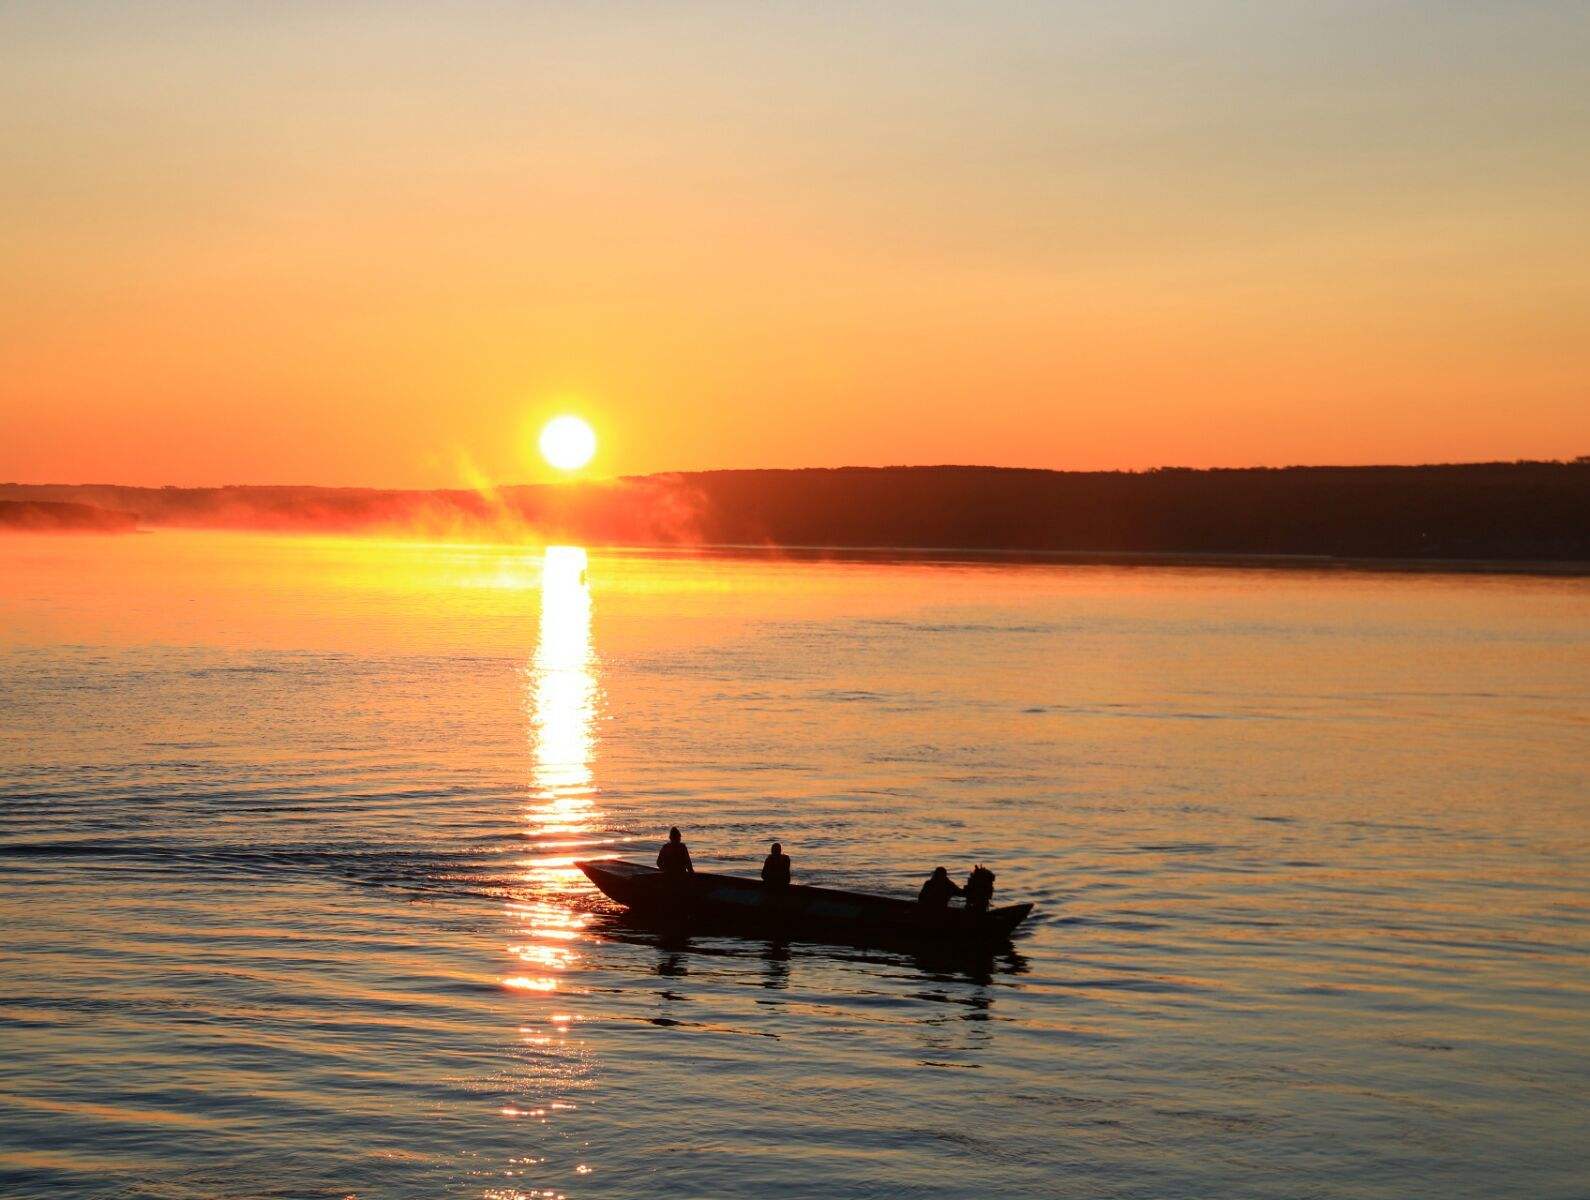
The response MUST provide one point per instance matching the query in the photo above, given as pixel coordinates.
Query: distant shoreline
(1519, 517)
(1111, 558)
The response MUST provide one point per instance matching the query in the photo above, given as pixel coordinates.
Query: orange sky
(378, 244)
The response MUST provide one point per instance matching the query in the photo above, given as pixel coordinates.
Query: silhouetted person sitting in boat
(979, 889)
(775, 867)
(674, 858)
(936, 892)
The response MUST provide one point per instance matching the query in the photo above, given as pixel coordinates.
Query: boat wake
(494, 872)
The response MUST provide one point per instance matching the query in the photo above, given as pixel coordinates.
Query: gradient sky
(378, 243)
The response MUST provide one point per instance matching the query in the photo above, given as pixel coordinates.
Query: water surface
(288, 906)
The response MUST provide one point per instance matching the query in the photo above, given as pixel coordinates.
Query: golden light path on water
(562, 698)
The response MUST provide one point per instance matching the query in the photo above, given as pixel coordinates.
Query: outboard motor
(979, 889)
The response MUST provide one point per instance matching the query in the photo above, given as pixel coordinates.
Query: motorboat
(733, 904)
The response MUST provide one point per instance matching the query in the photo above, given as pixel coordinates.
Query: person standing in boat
(775, 868)
(936, 892)
(674, 858)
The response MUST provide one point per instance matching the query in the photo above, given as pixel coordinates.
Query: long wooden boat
(733, 904)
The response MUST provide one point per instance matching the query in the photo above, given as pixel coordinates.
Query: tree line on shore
(1504, 510)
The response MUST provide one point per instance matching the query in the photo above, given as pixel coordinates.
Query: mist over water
(287, 833)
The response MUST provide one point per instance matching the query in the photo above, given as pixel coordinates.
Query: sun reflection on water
(563, 697)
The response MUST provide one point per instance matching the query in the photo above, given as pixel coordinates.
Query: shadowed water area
(288, 905)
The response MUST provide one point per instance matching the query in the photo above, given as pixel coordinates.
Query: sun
(568, 443)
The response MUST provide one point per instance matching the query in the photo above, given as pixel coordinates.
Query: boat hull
(731, 904)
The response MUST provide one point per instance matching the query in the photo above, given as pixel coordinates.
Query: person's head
(673, 833)
(777, 849)
(940, 873)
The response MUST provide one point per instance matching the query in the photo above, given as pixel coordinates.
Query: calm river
(288, 906)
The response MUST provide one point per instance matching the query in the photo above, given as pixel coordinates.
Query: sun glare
(568, 443)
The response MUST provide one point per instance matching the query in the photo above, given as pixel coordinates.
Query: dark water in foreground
(287, 905)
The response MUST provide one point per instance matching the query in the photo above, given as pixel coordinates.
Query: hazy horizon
(1470, 512)
(593, 478)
